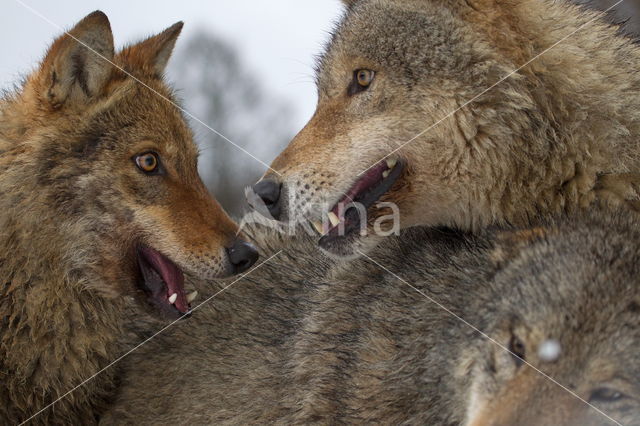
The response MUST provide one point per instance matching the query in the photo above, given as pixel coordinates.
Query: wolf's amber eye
(147, 162)
(365, 77)
(518, 350)
(362, 79)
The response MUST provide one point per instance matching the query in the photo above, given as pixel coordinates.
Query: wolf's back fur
(288, 345)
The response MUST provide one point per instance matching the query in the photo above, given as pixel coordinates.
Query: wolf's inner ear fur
(77, 65)
(154, 52)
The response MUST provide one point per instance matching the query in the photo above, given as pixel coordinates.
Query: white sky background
(277, 39)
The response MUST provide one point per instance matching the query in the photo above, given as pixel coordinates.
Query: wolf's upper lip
(162, 280)
(367, 190)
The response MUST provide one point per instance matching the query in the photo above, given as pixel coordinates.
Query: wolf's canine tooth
(318, 226)
(333, 218)
(192, 296)
(391, 162)
(173, 298)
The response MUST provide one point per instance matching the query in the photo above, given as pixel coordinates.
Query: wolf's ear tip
(97, 17)
(94, 23)
(176, 28)
(97, 14)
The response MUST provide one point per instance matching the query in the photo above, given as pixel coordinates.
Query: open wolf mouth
(163, 282)
(345, 218)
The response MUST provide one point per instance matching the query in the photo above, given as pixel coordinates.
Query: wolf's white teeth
(333, 218)
(173, 298)
(192, 296)
(318, 227)
(391, 162)
(385, 174)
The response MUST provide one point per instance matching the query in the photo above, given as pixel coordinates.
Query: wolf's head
(394, 124)
(567, 309)
(103, 171)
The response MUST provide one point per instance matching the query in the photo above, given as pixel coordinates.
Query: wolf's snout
(269, 192)
(242, 256)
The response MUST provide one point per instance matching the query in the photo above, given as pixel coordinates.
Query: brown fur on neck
(56, 334)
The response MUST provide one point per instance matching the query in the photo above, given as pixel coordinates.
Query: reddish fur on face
(199, 225)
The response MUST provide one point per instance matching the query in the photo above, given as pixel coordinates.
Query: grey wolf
(554, 136)
(295, 345)
(102, 212)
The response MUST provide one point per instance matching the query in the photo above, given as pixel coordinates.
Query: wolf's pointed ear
(77, 65)
(153, 53)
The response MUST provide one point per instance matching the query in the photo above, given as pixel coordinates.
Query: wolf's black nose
(269, 192)
(242, 256)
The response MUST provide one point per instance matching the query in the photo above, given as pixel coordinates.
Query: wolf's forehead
(138, 113)
(405, 43)
(159, 113)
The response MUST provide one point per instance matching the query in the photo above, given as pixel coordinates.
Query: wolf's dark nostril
(269, 192)
(242, 256)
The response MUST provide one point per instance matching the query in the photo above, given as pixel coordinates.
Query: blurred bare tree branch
(220, 90)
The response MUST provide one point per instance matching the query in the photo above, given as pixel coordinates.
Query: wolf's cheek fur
(327, 156)
(191, 229)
